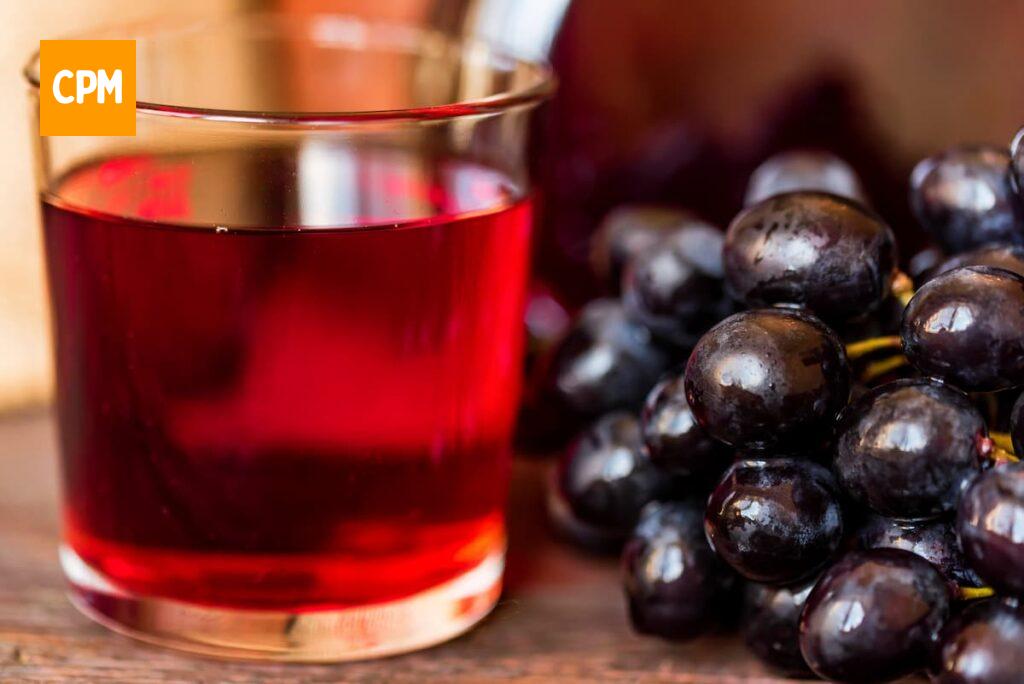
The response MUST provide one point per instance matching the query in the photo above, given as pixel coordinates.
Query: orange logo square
(87, 87)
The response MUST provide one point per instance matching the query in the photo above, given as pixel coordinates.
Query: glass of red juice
(287, 333)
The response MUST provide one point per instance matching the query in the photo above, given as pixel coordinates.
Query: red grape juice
(306, 408)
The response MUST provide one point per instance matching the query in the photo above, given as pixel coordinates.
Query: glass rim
(542, 84)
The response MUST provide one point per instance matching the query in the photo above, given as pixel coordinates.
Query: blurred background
(660, 101)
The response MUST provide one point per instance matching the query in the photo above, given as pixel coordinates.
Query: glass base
(382, 629)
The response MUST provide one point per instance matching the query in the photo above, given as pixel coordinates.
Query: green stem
(860, 348)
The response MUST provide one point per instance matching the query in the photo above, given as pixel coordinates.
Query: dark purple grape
(602, 482)
(777, 520)
(997, 255)
(1017, 164)
(933, 540)
(627, 231)
(964, 197)
(814, 170)
(982, 645)
(874, 616)
(768, 379)
(990, 524)
(1017, 425)
(771, 625)
(675, 287)
(907, 449)
(821, 251)
(675, 441)
(964, 327)
(674, 583)
(606, 362)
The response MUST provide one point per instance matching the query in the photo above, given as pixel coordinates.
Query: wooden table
(561, 619)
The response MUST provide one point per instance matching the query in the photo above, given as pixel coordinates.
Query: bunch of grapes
(777, 416)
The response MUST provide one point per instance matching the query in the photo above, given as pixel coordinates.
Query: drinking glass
(287, 333)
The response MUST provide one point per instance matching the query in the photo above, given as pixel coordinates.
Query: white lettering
(61, 75)
(85, 83)
(109, 84)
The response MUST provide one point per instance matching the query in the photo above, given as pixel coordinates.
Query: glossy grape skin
(906, 449)
(997, 255)
(675, 585)
(770, 625)
(606, 362)
(769, 379)
(964, 197)
(675, 287)
(964, 327)
(874, 616)
(603, 480)
(982, 645)
(813, 170)
(824, 252)
(989, 523)
(777, 520)
(628, 230)
(933, 540)
(675, 441)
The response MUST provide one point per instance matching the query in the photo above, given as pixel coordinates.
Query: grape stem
(877, 369)
(972, 593)
(989, 448)
(902, 288)
(1002, 440)
(860, 348)
(903, 291)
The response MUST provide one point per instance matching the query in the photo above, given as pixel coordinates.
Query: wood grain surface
(561, 618)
